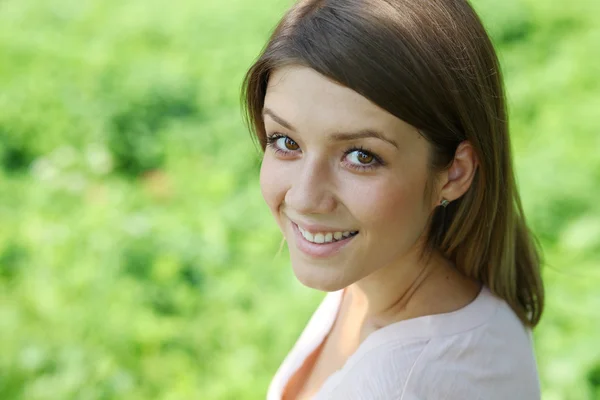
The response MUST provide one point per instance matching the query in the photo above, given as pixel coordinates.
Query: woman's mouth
(325, 237)
(322, 244)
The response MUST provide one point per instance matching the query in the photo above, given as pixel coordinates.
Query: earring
(445, 203)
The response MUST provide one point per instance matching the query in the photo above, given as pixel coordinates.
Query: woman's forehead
(302, 96)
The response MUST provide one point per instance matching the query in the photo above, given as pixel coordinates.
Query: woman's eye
(362, 160)
(360, 157)
(282, 144)
(287, 143)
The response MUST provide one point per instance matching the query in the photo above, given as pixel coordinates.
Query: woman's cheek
(273, 181)
(390, 204)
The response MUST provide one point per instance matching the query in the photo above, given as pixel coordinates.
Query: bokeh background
(137, 260)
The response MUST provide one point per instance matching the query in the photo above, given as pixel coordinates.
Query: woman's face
(344, 179)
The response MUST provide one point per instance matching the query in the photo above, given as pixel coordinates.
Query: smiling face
(344, 173)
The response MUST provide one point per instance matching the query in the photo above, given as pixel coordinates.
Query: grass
(136, 255)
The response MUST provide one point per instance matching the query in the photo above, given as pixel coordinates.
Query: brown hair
(431, 64)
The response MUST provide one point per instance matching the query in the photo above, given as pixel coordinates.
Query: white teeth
(324, 237)
(307, 235)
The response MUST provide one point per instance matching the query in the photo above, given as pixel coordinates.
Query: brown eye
(364, 158)
(290, 144)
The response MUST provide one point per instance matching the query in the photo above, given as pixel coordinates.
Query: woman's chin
(319, 279)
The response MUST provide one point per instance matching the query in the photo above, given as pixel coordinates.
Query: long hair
(431, 64)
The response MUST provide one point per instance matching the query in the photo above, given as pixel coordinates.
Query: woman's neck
(415, 287)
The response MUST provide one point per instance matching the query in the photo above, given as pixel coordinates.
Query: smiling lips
(321, 244)
(325, 237)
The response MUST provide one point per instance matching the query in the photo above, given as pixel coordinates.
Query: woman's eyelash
(378, 160)
(273, 138)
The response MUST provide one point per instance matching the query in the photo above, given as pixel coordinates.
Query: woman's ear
(458, 178)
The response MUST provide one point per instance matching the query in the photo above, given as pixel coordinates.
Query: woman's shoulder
(494, 360)
(481, 351)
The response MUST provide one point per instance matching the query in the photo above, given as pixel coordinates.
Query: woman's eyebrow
(363, 133)
(280, 121)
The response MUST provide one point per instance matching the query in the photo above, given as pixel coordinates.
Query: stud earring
(445, 203)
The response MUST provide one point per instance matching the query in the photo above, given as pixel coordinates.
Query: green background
(137, 260)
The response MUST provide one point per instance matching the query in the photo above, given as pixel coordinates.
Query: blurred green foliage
(136, 256)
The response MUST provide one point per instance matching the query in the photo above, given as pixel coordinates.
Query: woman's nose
(311, 191)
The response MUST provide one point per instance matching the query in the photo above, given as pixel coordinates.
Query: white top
(481, 351)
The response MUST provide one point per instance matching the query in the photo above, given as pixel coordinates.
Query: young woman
(387, 166)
